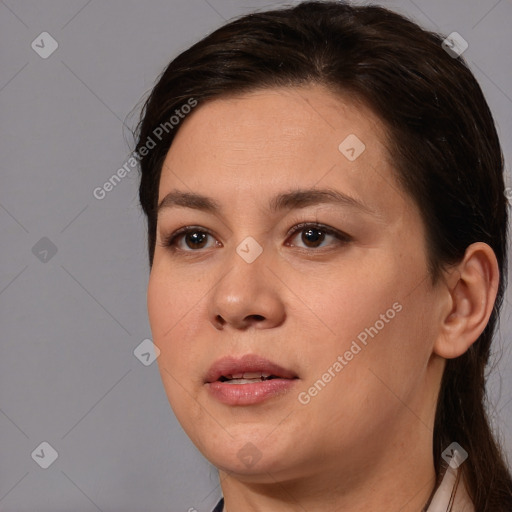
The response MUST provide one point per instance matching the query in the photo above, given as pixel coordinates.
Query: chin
(252, 458)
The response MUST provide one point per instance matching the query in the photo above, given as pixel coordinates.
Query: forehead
(282, 138)
(272, 116)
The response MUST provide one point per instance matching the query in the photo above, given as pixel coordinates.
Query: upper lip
(249, 363)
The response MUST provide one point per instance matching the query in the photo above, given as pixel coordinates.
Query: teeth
(252, 375)
(246, 378)
(243, 381)
(248, 375)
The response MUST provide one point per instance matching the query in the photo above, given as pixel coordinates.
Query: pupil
(196, 238)
(312, 236)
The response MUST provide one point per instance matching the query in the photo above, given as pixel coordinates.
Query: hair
(442, 141)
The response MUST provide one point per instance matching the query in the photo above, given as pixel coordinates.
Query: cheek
(379, 374)
(176, 310)
(352, 301)
(167, 311)
(168, 307)
(377, 325)
(160, 306)
(169, 301)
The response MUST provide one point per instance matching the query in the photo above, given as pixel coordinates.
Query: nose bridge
(244, 278)
(246, 292)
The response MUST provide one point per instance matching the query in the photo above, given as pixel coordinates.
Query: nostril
(247, 321)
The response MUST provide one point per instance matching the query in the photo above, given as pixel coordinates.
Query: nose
(248, 295)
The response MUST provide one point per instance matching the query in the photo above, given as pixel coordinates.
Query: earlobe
(471, 288)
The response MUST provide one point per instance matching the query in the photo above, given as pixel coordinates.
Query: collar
(451, 494)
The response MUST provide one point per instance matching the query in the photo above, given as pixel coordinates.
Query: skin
(364, 442)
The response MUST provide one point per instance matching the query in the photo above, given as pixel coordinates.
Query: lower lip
(249, 394)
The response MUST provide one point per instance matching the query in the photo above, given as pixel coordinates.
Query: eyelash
(171, 240)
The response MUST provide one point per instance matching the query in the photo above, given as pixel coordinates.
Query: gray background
(70, 324)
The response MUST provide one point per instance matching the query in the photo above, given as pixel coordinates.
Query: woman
(324, 193)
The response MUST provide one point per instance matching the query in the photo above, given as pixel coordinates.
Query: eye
(194, 238)
(314, 234)
(188, 239)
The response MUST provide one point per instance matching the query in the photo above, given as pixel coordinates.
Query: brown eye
(187, 239)
(312, 237)
(195, 239)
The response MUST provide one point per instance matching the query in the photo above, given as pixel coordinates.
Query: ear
(470, 291)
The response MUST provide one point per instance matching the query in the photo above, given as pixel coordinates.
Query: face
(289, 294)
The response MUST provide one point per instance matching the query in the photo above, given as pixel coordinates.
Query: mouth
(248, 380)
(249, 369)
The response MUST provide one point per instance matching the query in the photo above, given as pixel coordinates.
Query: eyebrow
(294, 199)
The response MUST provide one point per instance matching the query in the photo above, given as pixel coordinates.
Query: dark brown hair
(442, 141)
